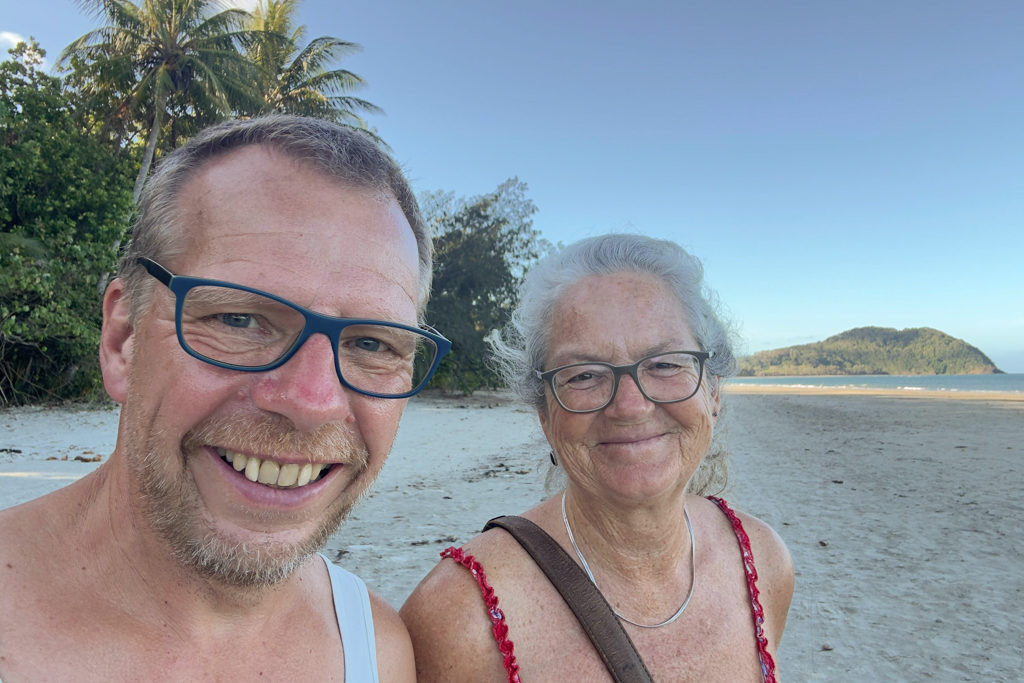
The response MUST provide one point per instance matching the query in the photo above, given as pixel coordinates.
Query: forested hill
(874, 351)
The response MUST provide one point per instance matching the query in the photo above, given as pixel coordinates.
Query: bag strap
(581, 595)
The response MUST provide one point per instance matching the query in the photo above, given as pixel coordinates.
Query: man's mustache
(273, 436)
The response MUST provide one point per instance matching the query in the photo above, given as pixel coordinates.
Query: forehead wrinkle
(272, 172)
(572, 356)
(373, 299)
(585, 322)
(372, 302)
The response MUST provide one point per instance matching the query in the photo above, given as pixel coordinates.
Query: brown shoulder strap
(586, 602)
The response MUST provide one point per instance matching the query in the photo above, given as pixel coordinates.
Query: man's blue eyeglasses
(240, 328)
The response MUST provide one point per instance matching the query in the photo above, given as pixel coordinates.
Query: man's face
(258, 218)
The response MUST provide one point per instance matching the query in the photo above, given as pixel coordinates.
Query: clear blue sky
(835, 164)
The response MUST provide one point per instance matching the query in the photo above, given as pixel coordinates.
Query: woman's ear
(545, 423)
(116, 341)
(714, 390)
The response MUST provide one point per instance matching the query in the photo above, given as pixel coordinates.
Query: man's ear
(116, 341)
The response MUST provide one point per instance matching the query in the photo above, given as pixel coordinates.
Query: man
(262, 341)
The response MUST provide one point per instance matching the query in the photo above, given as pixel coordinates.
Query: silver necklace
(693, 570)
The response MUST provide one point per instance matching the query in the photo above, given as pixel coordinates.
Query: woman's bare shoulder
(775, 572)
(770, 551)
(394, 648)
(448, 621)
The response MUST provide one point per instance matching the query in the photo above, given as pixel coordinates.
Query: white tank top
(355, 621)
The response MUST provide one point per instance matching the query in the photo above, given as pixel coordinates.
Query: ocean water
(1009, 382)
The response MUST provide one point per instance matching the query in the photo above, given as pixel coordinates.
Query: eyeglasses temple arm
(156, 270)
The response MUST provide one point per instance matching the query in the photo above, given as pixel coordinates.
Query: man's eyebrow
(216, 294)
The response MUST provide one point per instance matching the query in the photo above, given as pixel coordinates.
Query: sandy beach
(903, 513)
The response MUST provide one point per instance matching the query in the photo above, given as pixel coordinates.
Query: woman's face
(633, 450)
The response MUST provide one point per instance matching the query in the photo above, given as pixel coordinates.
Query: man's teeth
(271, 473)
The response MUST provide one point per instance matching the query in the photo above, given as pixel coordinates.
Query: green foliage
(63, 206)
(874, 351)
(482, 248)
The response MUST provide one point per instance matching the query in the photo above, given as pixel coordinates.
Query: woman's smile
(631, 440)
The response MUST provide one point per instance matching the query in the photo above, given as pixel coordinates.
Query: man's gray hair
(345, 154)
(525, 343)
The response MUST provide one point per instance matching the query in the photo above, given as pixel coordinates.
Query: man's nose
(306, 389)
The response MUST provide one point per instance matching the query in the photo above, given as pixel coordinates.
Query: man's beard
(174, 508)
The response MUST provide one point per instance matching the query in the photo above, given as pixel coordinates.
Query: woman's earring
(554, 458)
(714, 414)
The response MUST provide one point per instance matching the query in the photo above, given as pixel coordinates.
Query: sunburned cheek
(378, 423)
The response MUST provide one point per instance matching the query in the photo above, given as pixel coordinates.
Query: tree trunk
(147, 156)
(140, 181)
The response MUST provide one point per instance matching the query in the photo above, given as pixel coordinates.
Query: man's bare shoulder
(30, 573)
(27, 538)
(78, 623)
(13, 564)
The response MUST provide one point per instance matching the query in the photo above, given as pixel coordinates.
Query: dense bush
(482, 249)
(65, 200)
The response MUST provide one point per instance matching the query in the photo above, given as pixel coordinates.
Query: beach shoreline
(941, 394)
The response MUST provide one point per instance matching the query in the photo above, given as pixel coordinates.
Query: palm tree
(164, 63)
(296, 79)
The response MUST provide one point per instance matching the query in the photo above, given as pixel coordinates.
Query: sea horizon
(996, 383)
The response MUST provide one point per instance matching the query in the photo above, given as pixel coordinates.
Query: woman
(616, 345)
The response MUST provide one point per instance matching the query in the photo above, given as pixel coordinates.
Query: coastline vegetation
(873, 351)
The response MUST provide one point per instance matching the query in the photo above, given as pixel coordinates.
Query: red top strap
(500, 628)
(767, 663)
